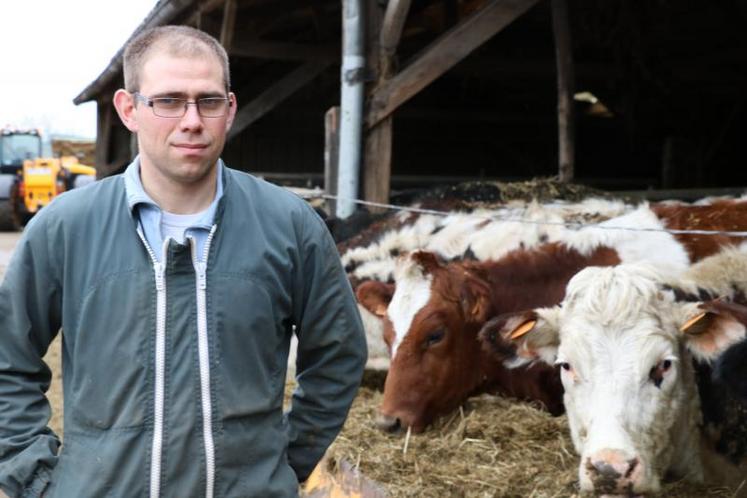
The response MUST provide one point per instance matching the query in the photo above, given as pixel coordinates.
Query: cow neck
(728, 215)
(525, 279)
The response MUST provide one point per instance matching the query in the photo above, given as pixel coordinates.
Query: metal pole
(351, 104)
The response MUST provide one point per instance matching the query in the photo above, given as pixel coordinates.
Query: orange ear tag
(692, 322)
(523, 329)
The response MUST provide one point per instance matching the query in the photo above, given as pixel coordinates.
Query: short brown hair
(177, 40)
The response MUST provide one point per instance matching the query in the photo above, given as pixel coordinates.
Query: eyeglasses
(173, 107)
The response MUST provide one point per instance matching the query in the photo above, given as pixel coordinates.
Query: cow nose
(387, 423)
(611, 471)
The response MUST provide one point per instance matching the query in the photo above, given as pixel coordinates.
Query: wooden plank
(566, 89)
(378, 163)
(331, 155)
(229, 21)
(377, 140)
(443, 54)
(103, 137)
(391, 28)
(273, 96)
(285, 51)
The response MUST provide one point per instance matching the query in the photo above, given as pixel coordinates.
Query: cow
(477, 234)
(636, 363)
(435, 309)
(481, 234)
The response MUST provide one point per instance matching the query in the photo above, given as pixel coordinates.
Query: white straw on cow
(407, 440)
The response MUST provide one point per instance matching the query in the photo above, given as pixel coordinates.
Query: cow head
(624, 348)
(431, 323)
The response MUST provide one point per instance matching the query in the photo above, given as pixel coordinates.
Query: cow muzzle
(612, 472)
(388, 423)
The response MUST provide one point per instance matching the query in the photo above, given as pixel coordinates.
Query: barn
(618, 95)
(639, 98)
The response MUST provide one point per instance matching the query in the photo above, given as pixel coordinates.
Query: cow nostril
(603, 469)
(388, 424)
(632, 464)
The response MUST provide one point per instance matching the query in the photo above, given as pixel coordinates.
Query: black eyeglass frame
(151, 102)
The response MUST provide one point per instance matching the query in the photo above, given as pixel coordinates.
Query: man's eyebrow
(183, 95)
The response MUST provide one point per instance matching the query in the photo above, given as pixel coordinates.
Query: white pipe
(351, 105)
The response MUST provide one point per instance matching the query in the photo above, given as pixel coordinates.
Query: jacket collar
(137, 196)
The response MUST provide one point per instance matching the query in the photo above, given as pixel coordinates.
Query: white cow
(635, 363)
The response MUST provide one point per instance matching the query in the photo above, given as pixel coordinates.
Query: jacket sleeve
(331, 350)
(30, 303)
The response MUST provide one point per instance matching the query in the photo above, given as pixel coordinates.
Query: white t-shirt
(175, 225)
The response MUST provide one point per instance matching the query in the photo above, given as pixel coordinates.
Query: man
(178, 286)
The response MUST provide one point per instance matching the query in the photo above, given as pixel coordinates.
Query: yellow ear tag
(523, 329)
(692, 322)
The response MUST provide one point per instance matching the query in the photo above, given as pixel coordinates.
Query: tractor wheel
(8, 219)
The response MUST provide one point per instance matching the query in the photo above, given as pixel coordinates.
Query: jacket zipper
(204, 358)
(159, 269)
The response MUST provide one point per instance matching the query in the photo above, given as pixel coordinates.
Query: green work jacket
(174, 370)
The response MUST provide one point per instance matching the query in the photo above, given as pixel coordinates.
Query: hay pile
(492, 448)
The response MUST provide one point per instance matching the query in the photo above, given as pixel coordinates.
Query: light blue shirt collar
(149, 212)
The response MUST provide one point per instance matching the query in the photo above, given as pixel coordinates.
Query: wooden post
(566, 89)
(377, 146)
(384, 34)
(227, 27)
(331, 155)
(103, 137)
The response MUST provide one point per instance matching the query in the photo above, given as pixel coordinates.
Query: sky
(50, 50)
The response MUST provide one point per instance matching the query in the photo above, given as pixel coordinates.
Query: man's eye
(212, 103)
(168, 102)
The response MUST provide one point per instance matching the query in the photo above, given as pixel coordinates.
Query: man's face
(181, 150)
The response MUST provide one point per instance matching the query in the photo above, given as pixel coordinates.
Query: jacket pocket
(109, 354)
(251, 341)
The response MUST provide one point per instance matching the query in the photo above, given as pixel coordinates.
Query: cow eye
(656, 374)
(564, 365)
(434, 337)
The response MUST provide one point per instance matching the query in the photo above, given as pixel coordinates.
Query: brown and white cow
(435, 310)
(636, 365)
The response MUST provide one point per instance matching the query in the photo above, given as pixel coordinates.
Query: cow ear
(375, 296)
(520, 338)
(427, 261)
(711, 327)
(475, 301)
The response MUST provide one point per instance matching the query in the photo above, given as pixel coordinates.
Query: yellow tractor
(28, 182)
(43, 179)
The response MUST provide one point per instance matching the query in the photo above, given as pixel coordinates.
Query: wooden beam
(285, 51)
(273, 96)
(394, 22)
(566, 89)
(103, 137)
(443, 54)
(229, 21)
(377, 142)
(331, 155)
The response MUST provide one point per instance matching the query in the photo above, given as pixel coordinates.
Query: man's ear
(124, 103)
(522, 337)
(375, 296)
(231, 110)
(711, 327)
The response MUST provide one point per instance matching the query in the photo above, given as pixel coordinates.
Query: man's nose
(191, 119)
